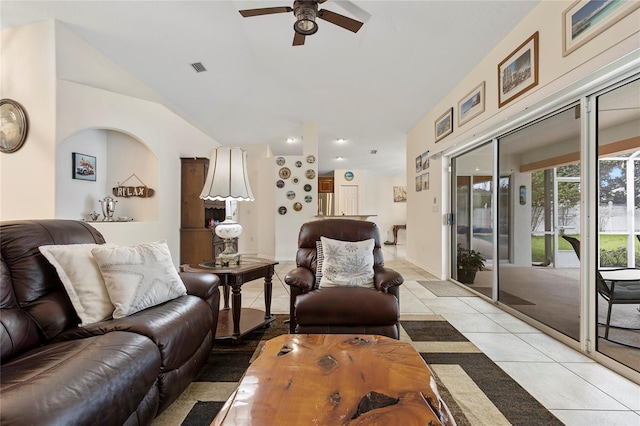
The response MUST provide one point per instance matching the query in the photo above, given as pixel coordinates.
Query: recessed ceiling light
(374, 151)
(339, 158)
(341, 140)
(291, 140)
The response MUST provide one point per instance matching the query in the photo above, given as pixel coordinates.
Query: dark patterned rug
(476, 390)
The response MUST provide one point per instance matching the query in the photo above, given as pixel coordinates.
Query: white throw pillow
(138, 277)
(82, 280)
(347, 263)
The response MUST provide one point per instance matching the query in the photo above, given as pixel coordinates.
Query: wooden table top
(246, 264)
(337, 379)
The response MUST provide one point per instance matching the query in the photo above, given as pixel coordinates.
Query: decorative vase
(108, 208)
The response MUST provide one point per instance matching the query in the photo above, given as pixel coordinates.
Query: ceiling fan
(306, 12)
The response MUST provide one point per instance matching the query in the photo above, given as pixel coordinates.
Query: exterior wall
(555, 73)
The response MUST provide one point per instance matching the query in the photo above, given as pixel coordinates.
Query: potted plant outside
(469, 262)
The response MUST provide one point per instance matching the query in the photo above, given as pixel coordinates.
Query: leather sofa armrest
(301, 278)
(386, 278)
(200, 284)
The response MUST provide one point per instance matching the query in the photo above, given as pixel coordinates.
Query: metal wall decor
(280, 183)
(282, 210)
(280, 161)
(297, 206)
(307, 187)
(298, 163)
(310, 174)
(285, 173)
(311, 159)
(291, 195)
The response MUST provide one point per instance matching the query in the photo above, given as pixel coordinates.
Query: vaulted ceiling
(369, 88)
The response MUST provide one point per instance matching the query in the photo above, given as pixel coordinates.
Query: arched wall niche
(121, 158)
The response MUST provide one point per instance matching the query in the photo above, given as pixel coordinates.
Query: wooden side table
(395, 235)
(236, 322)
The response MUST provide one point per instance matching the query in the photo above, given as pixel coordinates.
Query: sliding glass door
(618, 224)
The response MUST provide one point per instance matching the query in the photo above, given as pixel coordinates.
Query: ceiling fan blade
(265, 11)
(298, 39)
(353, 9)
(340, 20)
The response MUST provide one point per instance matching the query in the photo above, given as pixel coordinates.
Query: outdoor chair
(613, 291)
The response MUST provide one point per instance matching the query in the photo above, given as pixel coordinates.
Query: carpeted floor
(476, 390)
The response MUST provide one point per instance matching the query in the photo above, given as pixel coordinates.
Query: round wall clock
(14, 125)
(348, 176)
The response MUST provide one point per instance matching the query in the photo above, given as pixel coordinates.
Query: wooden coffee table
(236, 322)
(337, 379)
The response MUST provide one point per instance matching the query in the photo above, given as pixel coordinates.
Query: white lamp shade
(227, 178)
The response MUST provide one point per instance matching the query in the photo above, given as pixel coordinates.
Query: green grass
(607, 243)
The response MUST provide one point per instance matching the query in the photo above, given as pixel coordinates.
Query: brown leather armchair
(342, 310)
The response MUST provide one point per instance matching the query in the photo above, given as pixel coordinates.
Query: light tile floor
(573, 387)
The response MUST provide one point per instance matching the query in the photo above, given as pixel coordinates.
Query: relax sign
(133, 191)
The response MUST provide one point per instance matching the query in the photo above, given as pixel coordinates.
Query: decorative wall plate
(280, 161)
(348, 176)
(291, 195)
(295, 180)
(282, 210)
(307, 187)
(297, 206)
(311, 159)
(308, 198)
(285, 173)
(14, 125)
(298, 163)
(310, 174)
(280, 183)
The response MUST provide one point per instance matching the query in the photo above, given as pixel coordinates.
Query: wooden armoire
(198, 242)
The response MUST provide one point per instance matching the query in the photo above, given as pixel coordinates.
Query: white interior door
(348, 200)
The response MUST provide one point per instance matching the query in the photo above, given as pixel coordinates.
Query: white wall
(377, 197)
(60, 110)
(27, 177)
(556, 73)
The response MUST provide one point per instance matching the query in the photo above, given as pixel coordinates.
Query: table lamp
(228, 181)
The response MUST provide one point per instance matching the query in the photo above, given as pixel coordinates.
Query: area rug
(475, 389)
(445, 289)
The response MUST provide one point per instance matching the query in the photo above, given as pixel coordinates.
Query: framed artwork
(418, 164)
(425, 181)
(425, 160)
(471, 105)
(418, 183)
(585, 19)
(518, 72)
(444, 124)
(399, 194)
(84, 166)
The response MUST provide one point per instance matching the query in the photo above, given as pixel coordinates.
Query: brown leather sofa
(115, 372)
(344, 310)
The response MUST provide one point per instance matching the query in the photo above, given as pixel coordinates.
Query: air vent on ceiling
(374, 151)
(198, 67)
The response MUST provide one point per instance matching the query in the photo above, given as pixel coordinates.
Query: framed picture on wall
(585, 19)
(425, 160)
(471, 105)
(399, 194)
(425, 181)
(418, 183)
(444, 125)
(518, 72)
(84, 166)
(418, 163)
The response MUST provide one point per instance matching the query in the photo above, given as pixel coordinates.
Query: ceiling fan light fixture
(305, 19)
